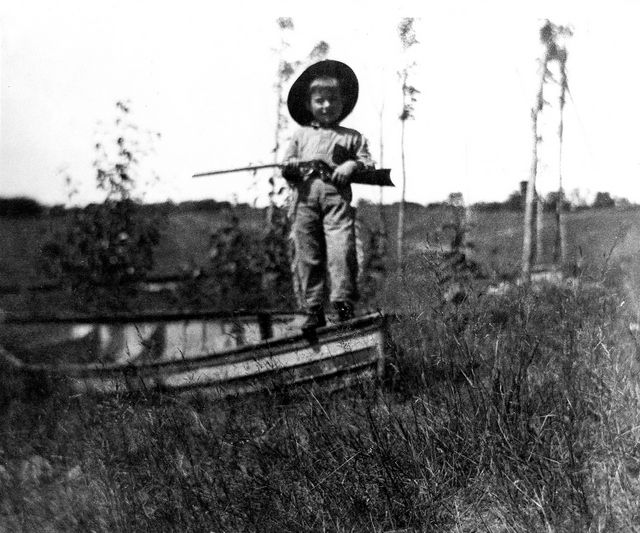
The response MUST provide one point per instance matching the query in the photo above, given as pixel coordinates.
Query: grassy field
(511, 412)
(497, 237)
(185, 240)
(517, 412)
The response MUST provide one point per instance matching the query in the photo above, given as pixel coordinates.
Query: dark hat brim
(299, 93)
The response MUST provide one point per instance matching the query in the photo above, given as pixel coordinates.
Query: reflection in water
(129, 342)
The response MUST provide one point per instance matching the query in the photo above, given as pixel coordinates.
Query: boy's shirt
(333, 145)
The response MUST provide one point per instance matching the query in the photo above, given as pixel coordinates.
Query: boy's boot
(314, 319)
(344, 310)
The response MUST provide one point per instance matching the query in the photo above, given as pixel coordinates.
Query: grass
(506, 413)
(184, 241)
(593, 235)
(516, 412)
(497, 236)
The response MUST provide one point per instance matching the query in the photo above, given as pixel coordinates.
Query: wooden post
(265, 324)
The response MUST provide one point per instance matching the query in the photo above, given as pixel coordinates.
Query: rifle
(380, 177)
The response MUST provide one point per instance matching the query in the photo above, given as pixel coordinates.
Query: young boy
(323, 221)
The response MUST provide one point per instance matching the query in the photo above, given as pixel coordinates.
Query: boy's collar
(317, 126)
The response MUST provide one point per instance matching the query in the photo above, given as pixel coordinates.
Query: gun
(380, 177)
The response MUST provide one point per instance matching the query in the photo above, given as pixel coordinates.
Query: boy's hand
(342, 174)
(292, 170)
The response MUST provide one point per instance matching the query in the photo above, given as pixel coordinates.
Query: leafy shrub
(105, 250)
(247, 269)
(108, 247)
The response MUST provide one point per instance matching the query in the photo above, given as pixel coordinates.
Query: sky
(202, 74)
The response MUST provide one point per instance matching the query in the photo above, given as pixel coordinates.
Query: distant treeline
(516, 202)
(24, 207)
(20, 206)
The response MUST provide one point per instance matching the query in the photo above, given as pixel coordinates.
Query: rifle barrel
(239, 169)
(380, 177)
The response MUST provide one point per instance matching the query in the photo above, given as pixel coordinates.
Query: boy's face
(326, 106)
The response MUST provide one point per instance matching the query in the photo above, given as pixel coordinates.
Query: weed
(512, 412)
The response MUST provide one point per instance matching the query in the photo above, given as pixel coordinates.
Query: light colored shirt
(333, 145)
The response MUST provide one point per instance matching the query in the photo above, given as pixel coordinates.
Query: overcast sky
(202, 74)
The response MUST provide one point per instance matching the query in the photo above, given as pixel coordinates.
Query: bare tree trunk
(383, 219)
(560, 248)
(408, 39)
(528, 209)
(381, 214)
(381, 151)
(539, 251)
(276, 148)
(401, 207)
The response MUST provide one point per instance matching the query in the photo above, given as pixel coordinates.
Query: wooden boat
(343, 353)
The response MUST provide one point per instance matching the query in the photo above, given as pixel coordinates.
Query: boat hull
(343, 354)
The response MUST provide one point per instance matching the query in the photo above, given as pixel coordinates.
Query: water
(133, 342)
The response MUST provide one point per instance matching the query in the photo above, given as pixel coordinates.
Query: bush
(105, 250)
(20, 207)
(247, 269)
(603, 199)
(108, 247)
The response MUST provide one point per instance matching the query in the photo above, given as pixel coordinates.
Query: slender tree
(560, 248)
(539, 247)
(381, 214)
(408, 39)
(284, 73)
(381, 150)
(549, 35)
(528, 212)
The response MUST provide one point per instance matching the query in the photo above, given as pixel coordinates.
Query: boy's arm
(363, 155)
(292, 151)
(359, 161)
(291, 161)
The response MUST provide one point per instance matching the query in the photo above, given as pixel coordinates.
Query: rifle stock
(378, 177)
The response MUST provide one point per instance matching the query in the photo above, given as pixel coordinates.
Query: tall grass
(513, 412)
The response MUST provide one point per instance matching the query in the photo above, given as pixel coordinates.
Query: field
(509, 412)
(592, 235)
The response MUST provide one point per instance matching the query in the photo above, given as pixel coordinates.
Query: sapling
(408, 39)
(107, 247)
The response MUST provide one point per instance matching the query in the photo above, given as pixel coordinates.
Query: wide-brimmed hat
(298, 98)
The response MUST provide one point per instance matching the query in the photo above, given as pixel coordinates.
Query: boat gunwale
(158, 316)
(262, 374)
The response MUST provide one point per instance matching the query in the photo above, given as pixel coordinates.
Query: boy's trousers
(323, 230)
